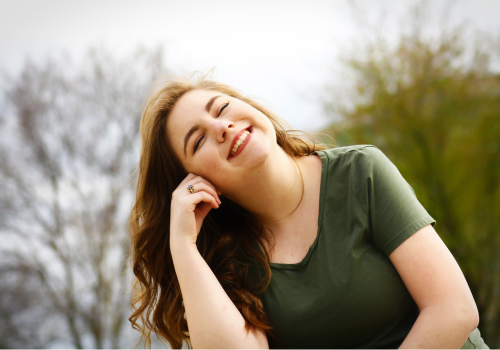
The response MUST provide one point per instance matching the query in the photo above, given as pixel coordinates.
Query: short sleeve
(393, 210)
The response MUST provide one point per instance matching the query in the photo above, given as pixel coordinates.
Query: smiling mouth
(240, 142)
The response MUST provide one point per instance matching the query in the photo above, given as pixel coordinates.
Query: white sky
(281, 51)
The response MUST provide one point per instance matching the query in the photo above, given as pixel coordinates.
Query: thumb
(203, 208)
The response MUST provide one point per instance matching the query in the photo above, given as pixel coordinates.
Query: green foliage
(433, 107)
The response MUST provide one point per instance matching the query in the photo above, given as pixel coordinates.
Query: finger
(202, 196)
(205, 181)
(203, 209)
(184, 183)
(188, 178)
(201, 186)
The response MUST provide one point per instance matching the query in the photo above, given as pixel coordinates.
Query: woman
(228, 198)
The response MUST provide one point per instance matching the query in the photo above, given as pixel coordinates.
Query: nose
(222, 129)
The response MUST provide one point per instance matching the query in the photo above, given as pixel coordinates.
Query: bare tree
(21, 310)
(68, 147)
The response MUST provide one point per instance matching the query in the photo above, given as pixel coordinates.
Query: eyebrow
(197, 126)
(210, 103)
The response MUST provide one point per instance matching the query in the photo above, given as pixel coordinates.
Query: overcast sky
(282, 51)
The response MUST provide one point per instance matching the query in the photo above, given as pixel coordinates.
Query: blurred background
(420, 80)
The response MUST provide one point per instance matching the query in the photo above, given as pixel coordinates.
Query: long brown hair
(226, 237)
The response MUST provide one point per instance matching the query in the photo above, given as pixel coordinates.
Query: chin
(257, 155)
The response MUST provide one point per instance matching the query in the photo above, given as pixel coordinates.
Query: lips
(236, 138)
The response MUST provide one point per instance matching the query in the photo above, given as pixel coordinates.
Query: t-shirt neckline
(322, 195)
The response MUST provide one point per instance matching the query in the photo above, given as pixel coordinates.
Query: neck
(273, 191)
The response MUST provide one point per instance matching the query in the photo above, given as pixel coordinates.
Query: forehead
(188, 111)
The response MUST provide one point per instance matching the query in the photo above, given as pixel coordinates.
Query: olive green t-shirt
(346, 293)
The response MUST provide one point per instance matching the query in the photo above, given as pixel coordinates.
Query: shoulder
(348, 151)
(359, 165)
(357, 159)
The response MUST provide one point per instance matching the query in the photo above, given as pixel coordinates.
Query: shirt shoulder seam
(354, 181)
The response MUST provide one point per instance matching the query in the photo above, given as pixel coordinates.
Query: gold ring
(191, 188)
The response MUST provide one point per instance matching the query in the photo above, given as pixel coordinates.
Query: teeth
(238, 143)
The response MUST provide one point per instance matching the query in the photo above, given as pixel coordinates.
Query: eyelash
(201, 138)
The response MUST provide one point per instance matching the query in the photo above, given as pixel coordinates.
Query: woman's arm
(448, 313)
(213, 320)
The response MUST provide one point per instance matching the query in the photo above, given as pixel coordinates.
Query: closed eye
(201, 138)
(197, 144)
(222, 108)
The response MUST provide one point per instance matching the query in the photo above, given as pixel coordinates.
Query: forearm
(439, 327)
(213, 320)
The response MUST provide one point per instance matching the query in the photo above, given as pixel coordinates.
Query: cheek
(270, 128)
(216, 175)
(208, 168)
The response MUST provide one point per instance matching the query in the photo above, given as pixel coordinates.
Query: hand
(188, 210)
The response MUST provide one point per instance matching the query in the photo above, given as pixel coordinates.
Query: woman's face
(203, 129)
